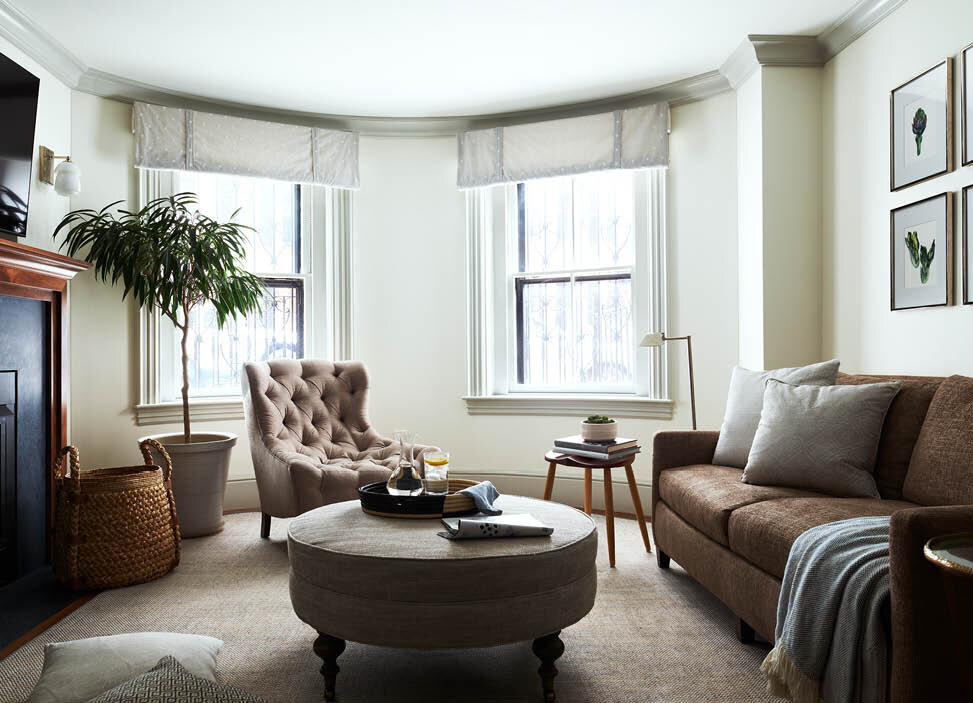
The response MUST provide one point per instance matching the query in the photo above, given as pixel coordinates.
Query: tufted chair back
(317, 409)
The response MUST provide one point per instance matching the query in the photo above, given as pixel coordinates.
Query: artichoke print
(918, 127)
(920, 256)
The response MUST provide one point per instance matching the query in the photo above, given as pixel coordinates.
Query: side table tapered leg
(610, 517)
(548, 649)
(329, 649)
(634, 490)
(549, 486)
(587, 491)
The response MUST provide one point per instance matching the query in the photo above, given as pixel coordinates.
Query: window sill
(569, 404)
(200, 409)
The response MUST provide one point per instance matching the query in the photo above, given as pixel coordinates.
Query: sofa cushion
(763, 533)
(704, 496)
(820, 438)
(745, 399)
(941, 470)
(901, 429)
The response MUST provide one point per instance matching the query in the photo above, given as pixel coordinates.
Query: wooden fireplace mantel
(31, 267)
(29, 272)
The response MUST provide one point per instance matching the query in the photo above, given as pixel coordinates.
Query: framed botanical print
(967, 254)
(921, 253)
(967, 116)
(922, 126)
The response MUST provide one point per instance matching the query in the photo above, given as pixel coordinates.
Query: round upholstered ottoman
(397, 583)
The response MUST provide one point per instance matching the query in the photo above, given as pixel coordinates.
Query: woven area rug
(653, 635)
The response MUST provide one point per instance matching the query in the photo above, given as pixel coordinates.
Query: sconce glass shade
(653, 339)
(67, 178)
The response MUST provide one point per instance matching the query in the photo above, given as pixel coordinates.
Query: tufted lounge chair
(310, 439)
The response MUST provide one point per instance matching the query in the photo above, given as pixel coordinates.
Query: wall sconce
(66, 178)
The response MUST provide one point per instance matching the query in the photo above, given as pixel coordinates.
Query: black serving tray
(375, 500)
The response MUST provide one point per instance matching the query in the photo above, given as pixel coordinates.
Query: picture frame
(921, 127)
(967, 113)
(921, 277)
(967, 215)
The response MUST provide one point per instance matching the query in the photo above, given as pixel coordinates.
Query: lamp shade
(67, 178)
(653, 339)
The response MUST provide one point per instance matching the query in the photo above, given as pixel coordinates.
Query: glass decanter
(405, 480)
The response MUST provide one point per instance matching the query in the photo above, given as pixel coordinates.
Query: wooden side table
(953, 554)
(555, 459)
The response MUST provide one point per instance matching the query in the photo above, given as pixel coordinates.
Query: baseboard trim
(241, 493)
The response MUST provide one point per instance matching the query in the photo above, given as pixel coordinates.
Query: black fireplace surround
(24, 430)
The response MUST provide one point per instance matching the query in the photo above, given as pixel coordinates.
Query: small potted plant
(598, 428)
(171, 257)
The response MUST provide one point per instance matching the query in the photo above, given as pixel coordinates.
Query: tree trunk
(185, 383)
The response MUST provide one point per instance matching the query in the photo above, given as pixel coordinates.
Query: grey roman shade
(172, 138)
(633, 138)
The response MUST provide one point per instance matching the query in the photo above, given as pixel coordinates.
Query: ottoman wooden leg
(548, 649)
(264, 525)
(329, 649)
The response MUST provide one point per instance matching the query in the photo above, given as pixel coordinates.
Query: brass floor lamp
(657, 339)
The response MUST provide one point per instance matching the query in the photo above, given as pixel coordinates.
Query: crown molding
(855, 23)
(757, 50)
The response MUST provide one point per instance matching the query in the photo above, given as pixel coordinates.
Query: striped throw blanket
(831, 642)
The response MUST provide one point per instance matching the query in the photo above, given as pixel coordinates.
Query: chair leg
(661, 558)
(264, 526)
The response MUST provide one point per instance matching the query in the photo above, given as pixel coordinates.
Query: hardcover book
(609, 446)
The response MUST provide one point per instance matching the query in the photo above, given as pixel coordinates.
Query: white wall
(411, 298)
(105, 329)
(53, 130)
(858, 326)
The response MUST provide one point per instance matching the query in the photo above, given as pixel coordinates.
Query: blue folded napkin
(483, 494)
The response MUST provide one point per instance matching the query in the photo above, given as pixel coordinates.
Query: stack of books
(611, 449)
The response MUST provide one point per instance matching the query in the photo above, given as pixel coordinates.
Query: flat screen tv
(18, 113)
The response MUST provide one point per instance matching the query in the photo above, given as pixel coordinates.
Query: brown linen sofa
(734, 538)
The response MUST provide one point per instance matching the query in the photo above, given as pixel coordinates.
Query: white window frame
(492, 266)
(327, 268)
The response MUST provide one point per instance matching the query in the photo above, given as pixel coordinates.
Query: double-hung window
(567, 276)
(574, 324)
(279, 250)
(274, 253)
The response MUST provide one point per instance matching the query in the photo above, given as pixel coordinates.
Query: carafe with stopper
(405, 480)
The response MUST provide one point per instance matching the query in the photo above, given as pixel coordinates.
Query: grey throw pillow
(822, 438)
(78, 670)
(746, 398)
(169, 681)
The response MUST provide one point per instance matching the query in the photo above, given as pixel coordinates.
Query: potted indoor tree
(171, 257)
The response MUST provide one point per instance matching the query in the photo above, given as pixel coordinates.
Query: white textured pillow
(746, 399)
(80, 670)
(822, 438)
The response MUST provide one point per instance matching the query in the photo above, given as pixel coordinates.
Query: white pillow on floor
(82, 669)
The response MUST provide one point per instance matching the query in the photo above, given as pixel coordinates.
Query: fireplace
(8, 475)
(33, 414)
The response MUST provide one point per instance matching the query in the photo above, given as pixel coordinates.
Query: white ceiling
(396, 58)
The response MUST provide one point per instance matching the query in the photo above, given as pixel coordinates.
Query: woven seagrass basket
(114, 527)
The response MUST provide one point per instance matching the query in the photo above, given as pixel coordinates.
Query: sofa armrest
(680, 448)
(922, 634)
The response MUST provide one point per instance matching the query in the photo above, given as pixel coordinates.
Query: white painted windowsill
(200, 409)
(569, 404)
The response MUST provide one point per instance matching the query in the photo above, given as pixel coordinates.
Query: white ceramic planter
(599, 431)
(199, 472)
